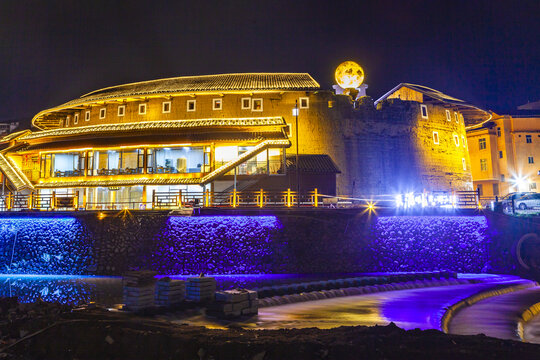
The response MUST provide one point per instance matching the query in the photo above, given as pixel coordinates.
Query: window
(500, 154)
(498, 132)
(532, 186)
(257, 105)
(121, 110)
(304, 103)
(217, 104)
(463, 141)
(67, 121)
(495, 189)
(246, 103)
(482, 143)
(480, 189)
(142, 109)
(102, 113)
(76, 119)
(166, 107)
(464, 163)
(502, 178)
(456, 139)
(423, 109)
(531, 160)
(87, 116)
(191, 105)
(448, 116)
(528, 139)
(483, 164)
(456, 116)
(436, 138)
(288, 130)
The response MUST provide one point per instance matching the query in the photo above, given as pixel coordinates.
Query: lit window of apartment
(121, 110)
(191, 105)
(102, 113)
(498, 132)
(436, 138)
(500, 154)
(482, 143)
(531, 160)
(67, 121)
(464, 163)
(483, 164)
(257, 105)
(463, 141)
(142, 109)
(246, 103)
(423, 110)
(528, 139)
(166, 107)
(304, 103)
(217, 104)
(448, 116)
(76, 119)
(87, 116)
(456, 139)
(456, 116)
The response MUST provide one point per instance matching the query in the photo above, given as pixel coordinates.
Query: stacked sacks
(201, 288)
(169, 292)
(233, 303)
(138, 290)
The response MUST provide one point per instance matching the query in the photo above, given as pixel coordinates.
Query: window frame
(456, 117)
(528, 139)
(123, 107)
(76, 119)
(483, 165)
(464, 163)
(456, 139)
(67, 121)
(248, 107)
(253, 101)
(448, 115)
(143, 106)
(191, 101)
(463, 142)
(306, 99)
(87, 115)
(530, 159)
(482, 142)
(166, 103)
(435, 135)
(500, 154)
(104, 112)
(216, 101)
(498, 131)
(422, 108)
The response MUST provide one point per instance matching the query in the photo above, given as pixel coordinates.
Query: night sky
(485, 52)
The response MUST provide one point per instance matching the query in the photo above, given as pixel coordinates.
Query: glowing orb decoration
(349, 75)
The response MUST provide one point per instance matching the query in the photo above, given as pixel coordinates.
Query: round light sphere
(349, 75)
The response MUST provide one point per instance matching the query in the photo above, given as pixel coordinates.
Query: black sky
(486, 52)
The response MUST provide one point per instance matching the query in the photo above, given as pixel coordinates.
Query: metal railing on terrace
(239, 199)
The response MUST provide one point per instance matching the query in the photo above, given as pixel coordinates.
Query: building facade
(124, 145)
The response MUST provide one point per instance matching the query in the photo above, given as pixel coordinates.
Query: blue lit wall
(43, 246)
(217, 245)
(422, 243)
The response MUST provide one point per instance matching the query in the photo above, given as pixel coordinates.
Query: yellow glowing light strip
(158, 146)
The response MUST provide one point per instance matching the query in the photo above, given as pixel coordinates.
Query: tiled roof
(317, 164)
(158, 125)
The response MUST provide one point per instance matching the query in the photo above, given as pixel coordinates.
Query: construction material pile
(201, 288)
(234, 303)
(138, 290)
(169, 292)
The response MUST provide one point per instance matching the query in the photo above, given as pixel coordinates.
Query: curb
(473, 299)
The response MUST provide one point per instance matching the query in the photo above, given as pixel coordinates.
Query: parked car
(528, 201)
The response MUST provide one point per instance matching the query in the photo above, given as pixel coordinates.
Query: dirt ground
(52, 331)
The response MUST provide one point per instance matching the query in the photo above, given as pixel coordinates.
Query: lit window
(142, 109)
(67, 121)
(166, 107)
(257, 105)
(304, 103)
(76, 119)
(423, 109)
(531, 160)
(121, 110)
(464, 163)
(217, 104)
(482, 143)
(456, 116)
(102, 113)
(456, 139)
(87, 116)
(448, 116)
(528, 139)
(532, 186)
(436, 138)
(191, 105)
(498, 132)
(463, 141)
(483, 164)
(246, 103)
(500, 154)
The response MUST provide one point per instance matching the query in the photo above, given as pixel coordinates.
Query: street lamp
(295, 113)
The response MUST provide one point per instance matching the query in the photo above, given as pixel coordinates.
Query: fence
(238, 199)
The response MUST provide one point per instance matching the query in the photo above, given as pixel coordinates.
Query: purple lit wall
(422, 243)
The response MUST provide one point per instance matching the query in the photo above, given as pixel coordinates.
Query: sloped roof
(473, 114)
(317, 164)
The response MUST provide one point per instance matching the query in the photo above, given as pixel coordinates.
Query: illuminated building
(122, 146)
(505, 154)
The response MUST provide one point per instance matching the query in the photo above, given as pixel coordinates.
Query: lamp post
(295, 113)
